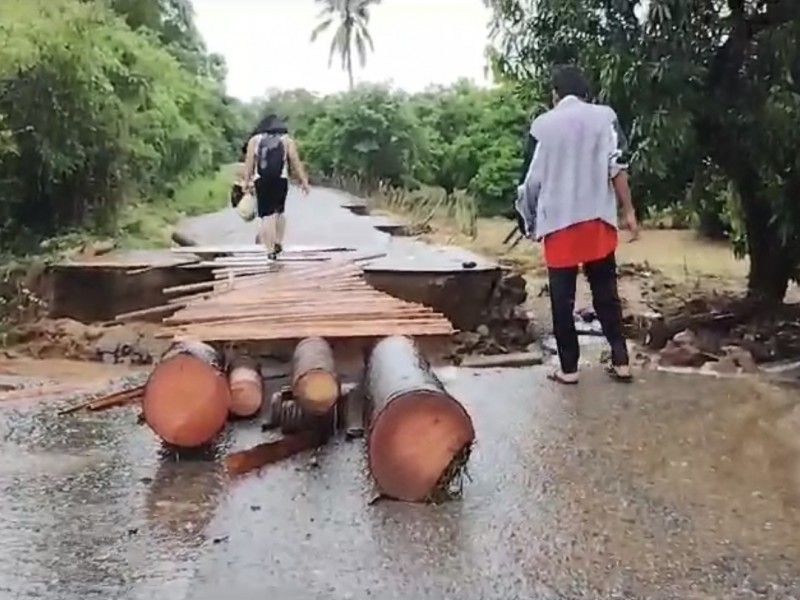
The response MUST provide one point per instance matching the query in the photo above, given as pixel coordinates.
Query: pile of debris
(69, 339)
(701, 350)
(507, 325)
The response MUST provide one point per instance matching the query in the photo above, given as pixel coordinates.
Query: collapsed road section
(359, 362)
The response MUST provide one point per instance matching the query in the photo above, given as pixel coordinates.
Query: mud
(671, 488)
(93, 291)
(131, 344)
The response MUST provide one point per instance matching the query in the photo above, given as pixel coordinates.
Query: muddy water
(677, 487)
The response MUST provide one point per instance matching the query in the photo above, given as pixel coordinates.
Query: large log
(247, 388)
(315, 385)
(419, 436)
(187, 398)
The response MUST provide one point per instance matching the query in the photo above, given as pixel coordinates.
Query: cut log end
(247, 389)
(317, 391)
(186, 401)
(415, 443)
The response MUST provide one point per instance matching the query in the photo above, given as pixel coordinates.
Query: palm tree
(352, 17)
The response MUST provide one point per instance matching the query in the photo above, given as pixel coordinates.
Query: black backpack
(271, 156)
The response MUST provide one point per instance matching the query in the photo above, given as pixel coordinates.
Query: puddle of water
(668, 488)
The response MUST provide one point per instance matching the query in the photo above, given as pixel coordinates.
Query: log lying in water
(187, 398)
(419, 436)
(314, 382)
(122, 398)
(247, 388)
(239, 463)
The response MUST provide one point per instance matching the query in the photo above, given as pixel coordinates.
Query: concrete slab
(323, 219)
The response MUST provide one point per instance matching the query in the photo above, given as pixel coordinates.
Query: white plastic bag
(246, 208)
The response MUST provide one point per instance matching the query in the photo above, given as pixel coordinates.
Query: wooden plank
(255, 249)
(251, 298)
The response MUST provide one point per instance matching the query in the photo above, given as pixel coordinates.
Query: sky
(417, 43)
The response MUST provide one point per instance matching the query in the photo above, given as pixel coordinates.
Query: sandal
(614, 373)
(563, 378)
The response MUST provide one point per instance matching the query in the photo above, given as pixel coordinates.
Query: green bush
(93, 113)
(456, 138)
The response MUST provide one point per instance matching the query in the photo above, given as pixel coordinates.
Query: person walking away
(270, 155)
(569, 200)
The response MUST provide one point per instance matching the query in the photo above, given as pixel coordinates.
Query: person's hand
(632, 225)
(305, 189)
(248, 186)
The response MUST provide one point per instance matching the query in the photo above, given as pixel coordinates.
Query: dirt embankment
(682, 296)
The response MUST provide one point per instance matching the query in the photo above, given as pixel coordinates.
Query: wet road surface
(320, 220)
(677, 487)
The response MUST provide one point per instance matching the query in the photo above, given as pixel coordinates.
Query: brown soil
(672, 272)
(130, 344)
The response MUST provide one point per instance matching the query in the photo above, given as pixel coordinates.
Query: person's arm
(528, 197)
(530, 149)
(622, 190)
(296, 164)
(250, 163)
(618, 172)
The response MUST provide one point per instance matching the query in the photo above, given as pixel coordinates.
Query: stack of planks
(286, 301)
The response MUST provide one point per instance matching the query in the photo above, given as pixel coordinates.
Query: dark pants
(602, 277)
(271, 196)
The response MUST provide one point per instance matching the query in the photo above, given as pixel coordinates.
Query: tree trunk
(349, 62)
(771, 265)
(418, 431)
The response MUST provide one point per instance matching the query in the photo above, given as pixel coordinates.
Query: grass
(149, 224)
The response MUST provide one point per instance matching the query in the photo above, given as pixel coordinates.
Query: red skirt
(580, 243)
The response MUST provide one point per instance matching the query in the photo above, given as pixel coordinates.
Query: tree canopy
(457, 138)
(709, 91)
(98, 106)
(351, 21)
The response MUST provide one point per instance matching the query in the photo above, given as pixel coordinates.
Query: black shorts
(271, 196)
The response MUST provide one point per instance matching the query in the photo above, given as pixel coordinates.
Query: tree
(352, 29)
(706, 86)
(93, 113)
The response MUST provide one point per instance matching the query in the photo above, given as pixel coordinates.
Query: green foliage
(705, 87)
(457, 138)
(93, 113)
(144, 224)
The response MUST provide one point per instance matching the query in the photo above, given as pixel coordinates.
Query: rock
(685, 337)
(742, 358)
(681, 355)
(726, 366)
(507, 325)
(98, 248)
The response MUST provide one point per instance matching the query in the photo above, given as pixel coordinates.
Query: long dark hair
(271, 123)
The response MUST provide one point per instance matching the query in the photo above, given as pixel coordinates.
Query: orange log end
(247, 391)
(186, 401)
(317, 391)
(413, 441)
